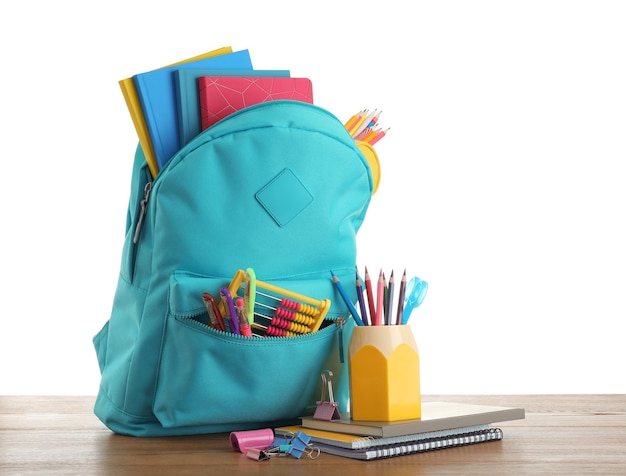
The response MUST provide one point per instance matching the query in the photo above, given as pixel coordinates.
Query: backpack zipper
(339, 323)
(142, 211)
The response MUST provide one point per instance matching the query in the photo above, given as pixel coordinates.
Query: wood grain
(561, 434)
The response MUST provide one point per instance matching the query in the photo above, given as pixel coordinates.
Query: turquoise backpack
(279, 187)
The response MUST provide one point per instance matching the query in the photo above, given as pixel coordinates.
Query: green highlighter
(250, 294)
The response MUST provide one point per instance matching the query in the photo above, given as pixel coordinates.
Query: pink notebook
(223, 95)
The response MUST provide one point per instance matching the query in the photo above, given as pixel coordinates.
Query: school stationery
(361, 298)
(242, 441)
(215, 316)
(223, 95)
(421, 446)
(359, 442)
(291, 313)
(188, 100)
(347, 299)
(389, 299)
(415, 293)
(258, 188)
(436, 416)
(380, 299)
(296, 445)
(376, 135)
(136, 113)
(371, 299)
(327, 409)
(400, 308)
(157, 95)
(381, 303)
(364, 126)
(384, 369)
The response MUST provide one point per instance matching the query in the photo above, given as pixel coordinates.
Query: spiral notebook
(223, 95)
(358, 442)
(493, 434)
(372, 449)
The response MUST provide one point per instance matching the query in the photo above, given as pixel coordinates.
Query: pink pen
(244, 325)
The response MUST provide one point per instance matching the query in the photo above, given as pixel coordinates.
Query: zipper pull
(142, 211)
(339, 322)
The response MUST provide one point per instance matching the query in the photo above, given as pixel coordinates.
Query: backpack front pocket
(219, 381)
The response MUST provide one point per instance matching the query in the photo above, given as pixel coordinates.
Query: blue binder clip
(299, 444)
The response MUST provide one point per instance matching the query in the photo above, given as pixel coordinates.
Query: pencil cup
(384, 374)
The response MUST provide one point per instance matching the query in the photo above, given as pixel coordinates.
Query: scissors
(415, 294)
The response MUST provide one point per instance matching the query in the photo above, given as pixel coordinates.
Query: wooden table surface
(561, 434)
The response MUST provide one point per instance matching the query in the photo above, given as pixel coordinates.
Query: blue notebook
(157, 94)
(188, 99)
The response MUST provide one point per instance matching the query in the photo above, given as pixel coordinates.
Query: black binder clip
(327, 410)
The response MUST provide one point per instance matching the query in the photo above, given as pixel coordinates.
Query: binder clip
(298, 445)
(301, 444)
(327, 410)
(258, 454)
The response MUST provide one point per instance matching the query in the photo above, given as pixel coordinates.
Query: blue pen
(230, 306)
(346, 299)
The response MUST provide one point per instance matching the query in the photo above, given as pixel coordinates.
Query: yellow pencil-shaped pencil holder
(384, 374)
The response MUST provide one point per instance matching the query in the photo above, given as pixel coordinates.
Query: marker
(230, 307)
(214, 313)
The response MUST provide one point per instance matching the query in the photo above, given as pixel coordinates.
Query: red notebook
(223, 95)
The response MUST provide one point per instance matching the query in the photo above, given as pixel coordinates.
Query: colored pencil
(363, 124)
(358, 123)
(380, 302)
(390, 287)
(361, 298)
(401, 299)
(370, 296)
(353, 120)
(346, 299)
(378, 136)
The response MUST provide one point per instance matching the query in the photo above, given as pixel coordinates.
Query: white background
(502, 183)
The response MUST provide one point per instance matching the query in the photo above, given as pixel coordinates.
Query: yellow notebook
(136, 113)
(358, 442)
